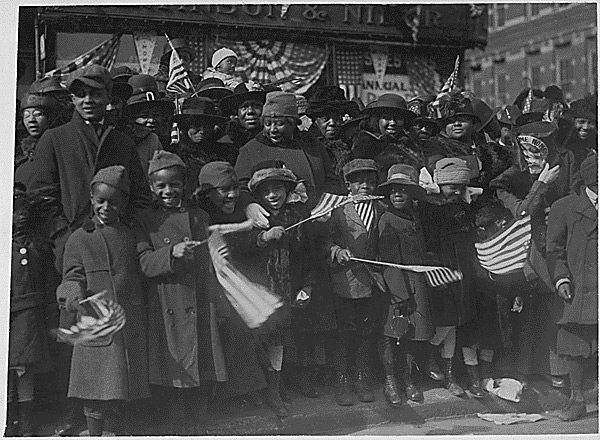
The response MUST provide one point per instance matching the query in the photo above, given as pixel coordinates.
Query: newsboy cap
(115, 176)
(93, 75)
(216, 174)
(359, 165)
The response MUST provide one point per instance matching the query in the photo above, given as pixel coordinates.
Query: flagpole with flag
(448, 87)
(179, 79)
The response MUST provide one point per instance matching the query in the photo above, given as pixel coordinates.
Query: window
(536, 77)
(592, 82)
(501, 89)
(500, 14)
(566, 77)
(535, 9)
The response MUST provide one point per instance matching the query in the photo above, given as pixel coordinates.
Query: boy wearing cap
(224, 61)
(401, 241)
(283, 261)
(572, 256)
(184, 349)
(101, 256)
(353, 232)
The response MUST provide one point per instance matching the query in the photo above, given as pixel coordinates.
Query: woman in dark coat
(544, 174)
(572, 256)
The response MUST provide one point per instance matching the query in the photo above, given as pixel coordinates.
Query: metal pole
(37, 44)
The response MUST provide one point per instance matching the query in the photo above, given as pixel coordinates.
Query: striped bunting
(103, 54)
(253, 302)
(508, 251)
(436, 276)
(179, 80)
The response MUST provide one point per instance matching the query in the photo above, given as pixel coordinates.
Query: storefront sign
(372, 88)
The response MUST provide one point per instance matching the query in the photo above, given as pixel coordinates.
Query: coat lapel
(588, 214)
(352, 216)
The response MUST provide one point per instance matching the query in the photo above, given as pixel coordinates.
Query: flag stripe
(179, 80)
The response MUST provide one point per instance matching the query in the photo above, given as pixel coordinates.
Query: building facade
(536, 44)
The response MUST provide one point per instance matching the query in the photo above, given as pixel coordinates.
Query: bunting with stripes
(506, 253)
(103, 54)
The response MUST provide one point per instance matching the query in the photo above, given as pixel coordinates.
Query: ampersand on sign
(311, 12)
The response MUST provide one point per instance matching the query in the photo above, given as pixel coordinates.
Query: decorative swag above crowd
(121, 180)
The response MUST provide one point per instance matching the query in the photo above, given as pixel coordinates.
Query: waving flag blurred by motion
(507, 252)
(103, 54)
(253, 302)
(179, 80)
(448, 86)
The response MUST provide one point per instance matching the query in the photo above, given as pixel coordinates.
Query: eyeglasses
(33, 113)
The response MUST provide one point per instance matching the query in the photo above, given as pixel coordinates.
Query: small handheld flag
(507, 252)
(179, 79)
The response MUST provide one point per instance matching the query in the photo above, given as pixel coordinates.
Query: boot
(343, 392)
(95, 427)
(412, 392)
(306, 387)
(362, 387)
(451, 384)
(390, 391)
(12, 426)
(475, 386)
(432, 368)
(26, 427)
(575, 410)
(273, 396)
(486, 373)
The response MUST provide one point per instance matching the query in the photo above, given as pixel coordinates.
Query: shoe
(408, 373)
(475, 387)
(390, 391)
(556, 381)
(362, 387)
(575, 410)
(432, 368)
(343, 392)
(306, 387)
(26, 427)
(451, 384)
(273, 394)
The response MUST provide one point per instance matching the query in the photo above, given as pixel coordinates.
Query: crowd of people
(116, 191)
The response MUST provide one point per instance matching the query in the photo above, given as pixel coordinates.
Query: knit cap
(216, 174)
(221, 54)
(164, 159)
(115, 176)
(451, 170)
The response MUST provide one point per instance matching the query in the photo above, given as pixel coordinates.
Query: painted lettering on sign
(372, 88)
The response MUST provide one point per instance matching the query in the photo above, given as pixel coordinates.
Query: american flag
(103, 54)
(528, 101)
(179, 80)
(448, 86)
(507, 252)
(253, 302)
(436, 276)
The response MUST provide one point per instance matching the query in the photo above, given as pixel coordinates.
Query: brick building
(549, 43)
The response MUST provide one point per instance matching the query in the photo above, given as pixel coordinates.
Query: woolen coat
(401, 241)
(572, 253)
(65, 161)
(346, 230)
(184, 343)
(103, 257)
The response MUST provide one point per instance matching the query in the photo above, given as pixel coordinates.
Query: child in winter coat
(101, 256)
(282, 262)
(185, 352)
(224, 61)
(353, 232)
(406, 308)
(28, 352)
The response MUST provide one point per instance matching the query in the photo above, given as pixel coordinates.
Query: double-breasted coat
(103, 257)
(401, 241)
(184, 343)
(572, 253)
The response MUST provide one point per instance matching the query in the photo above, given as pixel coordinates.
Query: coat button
(169, 311)
(186, 238)
(191, 310)
(167, 240)
(22, 251)
(181, 209)
(24, 262)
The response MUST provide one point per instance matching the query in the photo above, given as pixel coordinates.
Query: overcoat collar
(586, 209)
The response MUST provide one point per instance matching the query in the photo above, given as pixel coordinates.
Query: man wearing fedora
(145, 115)
(199, 124)
(507, 118)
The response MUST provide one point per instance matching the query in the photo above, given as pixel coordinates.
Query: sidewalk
(323, 416)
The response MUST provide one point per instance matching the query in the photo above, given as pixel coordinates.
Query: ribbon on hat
(531, 142)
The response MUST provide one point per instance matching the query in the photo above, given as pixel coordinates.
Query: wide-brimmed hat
(280, 104)
(421, 107)
(457, 104)
(584, 108)
(272, 174)
(349, 128)
(213, 88)
(390, 102)
(230, 104)
(145, 92)
(359, 165)
(180, 45)
(198, 108)
(484, 112)
(48, 84)
(522, 96)
(402, 174)
(508, 114)
(328, 99)
(92, 75)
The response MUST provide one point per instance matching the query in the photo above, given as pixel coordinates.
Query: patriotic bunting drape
(103, 54)
(294, 66)
(349, 63)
